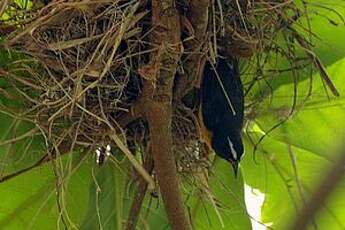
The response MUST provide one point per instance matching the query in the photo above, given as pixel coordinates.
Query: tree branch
(194, 64)
(140, 195)
(157, 101)
(327, 185)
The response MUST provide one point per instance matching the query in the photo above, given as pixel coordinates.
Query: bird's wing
(222, 95)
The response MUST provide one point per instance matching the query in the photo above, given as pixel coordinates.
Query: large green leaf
(228, 211)
(31, 199)
(291, 159)
(109, 199)
(315, 124)
(111, 196)
(327, 23)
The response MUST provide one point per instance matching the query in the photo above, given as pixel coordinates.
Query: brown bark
(140, 195)
(157, 102)
(165, 166)
(196, 47)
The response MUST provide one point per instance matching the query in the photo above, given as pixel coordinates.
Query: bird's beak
(235, 167)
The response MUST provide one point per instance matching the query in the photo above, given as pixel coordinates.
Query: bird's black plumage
(222, 108)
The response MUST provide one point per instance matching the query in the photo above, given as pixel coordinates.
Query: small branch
(133, 161)
(3, 6)
(140, 195)
(41, 161)
(46, 158)
(327, 185)
(317, 63)
(32, 132)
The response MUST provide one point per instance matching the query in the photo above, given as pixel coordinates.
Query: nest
(80, 76)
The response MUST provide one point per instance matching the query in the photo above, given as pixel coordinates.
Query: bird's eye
(232, 149)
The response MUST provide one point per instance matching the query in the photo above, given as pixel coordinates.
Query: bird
(222, 109)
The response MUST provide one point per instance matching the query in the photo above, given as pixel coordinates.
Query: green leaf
(315, 124)
(327, 22)
(291, 159)
(228, 210)
(111, 196)
(31, 198)
(108, 201)
(26, 199)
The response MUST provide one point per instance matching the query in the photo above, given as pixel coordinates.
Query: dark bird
(222, 107)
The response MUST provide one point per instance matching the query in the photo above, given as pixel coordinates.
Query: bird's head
(229, 148)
